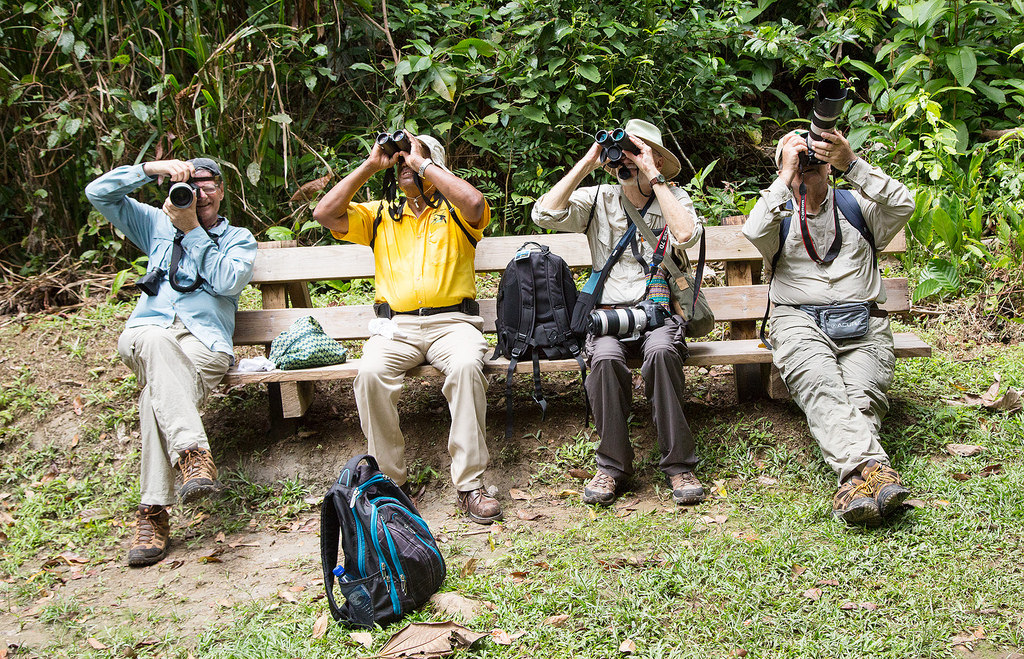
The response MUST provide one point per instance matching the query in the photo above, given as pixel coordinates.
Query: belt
(467, 306)
(873, 311)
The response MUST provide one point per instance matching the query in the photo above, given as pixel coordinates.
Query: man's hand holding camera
(836, 151)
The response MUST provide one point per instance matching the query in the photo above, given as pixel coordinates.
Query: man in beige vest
(829, 338)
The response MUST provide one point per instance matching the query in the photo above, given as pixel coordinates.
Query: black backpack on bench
(390, 564)
(536, 297)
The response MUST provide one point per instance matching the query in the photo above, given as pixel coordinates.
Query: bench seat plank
(729, 303)
(702, 353)
(291, 264)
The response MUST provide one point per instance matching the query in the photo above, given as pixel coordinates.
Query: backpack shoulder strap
(850, 209)
(593, 206)
(330, 533)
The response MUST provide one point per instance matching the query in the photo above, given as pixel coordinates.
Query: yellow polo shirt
(424, 261)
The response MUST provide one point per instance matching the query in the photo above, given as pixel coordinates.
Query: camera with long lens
(394, 142)
(614, 145)
(183, 195)
(628, 324)
(829, 97)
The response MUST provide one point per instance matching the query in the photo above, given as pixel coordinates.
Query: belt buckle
(422, 311)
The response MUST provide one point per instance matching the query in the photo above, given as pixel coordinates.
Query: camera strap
(805, 232)
(177, 251)
(670, 265)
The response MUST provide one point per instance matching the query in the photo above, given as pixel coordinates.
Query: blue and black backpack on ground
(390, 562)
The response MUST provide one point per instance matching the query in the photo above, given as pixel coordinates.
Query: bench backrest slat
(730, 303)
(285, 264)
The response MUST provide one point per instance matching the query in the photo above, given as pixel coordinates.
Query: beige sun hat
(436, 151)
(651, 134)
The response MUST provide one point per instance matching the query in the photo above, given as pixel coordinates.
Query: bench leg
(289, 402)
(773, 383)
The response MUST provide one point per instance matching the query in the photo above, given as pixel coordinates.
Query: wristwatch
(660, 178)
(423, 168)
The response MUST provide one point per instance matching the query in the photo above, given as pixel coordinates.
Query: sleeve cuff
(777, 194)
(542, 216)
(196, 238)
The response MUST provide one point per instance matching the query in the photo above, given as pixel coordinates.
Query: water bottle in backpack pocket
(390, 564)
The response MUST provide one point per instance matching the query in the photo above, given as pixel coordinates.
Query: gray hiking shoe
(600, 489)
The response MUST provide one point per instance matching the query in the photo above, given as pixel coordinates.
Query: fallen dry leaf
(565, 494)
(528, 515)
(870, 606)
(219, 537)
(454, 604)
(960, 477)
(297, 588)
(519, 495)
(288, 596)
(362, 638)
(92, 514)
(991, 470)
(501, 637)
(468, 568)
(798, 570)
(828, 582)
(78, 406)
(627, 647)
(429, 640)
(964, 450)
(96, 645)
(580, 474)
(518, 577)
(74, 441)
(813, 594)
(556, 621)
(915, 503)
(941, 503)
(320, 626)
(739, 652)
(767, 480)
(848, 606)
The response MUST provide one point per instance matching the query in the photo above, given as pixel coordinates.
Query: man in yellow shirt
(424, 244)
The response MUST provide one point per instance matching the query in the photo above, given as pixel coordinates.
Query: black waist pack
(391, 565)
(841, 321)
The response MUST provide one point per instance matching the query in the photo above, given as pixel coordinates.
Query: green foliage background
(291, 92)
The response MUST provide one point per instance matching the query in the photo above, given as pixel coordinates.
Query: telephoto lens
(182, 195)
(829, 97)
(617, 322)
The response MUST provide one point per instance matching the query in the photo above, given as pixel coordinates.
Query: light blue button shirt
(225, 266)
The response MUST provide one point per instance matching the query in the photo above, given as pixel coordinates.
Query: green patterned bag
(306, 345)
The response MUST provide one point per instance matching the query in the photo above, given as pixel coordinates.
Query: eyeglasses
(208, 187)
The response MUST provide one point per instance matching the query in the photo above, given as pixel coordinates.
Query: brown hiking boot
(152, 536)
(198, 474)
(479, 506)
(686, 488)
(854, 503)
(885, 486)
(600, 489)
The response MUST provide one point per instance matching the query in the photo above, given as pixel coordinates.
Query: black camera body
(614, 145)
(183, 195)
(829, 97)
(395, 142)
(628, 324)
(150, 282)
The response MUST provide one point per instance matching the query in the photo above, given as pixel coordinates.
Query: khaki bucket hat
(651, 134)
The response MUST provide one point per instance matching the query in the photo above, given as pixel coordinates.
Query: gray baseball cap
(207, 164)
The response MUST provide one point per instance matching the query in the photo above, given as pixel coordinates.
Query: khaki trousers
(610, 391)
(453, 343)
(176, 372)
(840, 385)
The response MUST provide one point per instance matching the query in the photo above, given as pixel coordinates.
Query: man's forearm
(332, 210)
(557, 199)
(460, 193)
(680, 220)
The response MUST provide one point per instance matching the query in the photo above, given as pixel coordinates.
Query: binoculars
(614, 143)
(182, 194)
(394, 142)
(829, 97)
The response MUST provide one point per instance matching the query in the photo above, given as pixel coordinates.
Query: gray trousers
(176, 372)
(610, 391)
(453, 343)
(840, 385)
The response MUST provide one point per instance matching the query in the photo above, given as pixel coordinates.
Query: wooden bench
(282, 272)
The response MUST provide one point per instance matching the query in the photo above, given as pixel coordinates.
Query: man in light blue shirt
(178, 338)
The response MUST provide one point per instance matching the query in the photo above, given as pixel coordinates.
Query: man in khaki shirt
(598, 212)
(839, 383)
